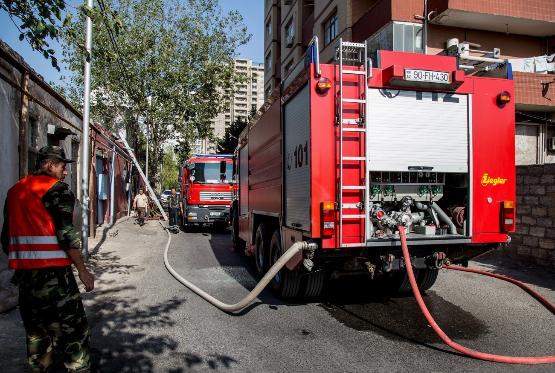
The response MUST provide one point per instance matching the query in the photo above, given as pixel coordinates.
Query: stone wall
(534, 239)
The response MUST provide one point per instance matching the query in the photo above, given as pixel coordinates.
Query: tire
(314, 283)
(286, 284)
(238, 243)
(425, 278)
(261, 249)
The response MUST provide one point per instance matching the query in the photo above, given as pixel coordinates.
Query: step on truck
(207, 189)
(344, 153)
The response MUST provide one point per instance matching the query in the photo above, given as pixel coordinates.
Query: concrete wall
(534, 239)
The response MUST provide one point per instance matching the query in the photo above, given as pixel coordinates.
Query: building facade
(32, 115)
(523, 31)
(248, 96)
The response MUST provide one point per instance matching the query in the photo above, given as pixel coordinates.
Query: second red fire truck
(207, 189)
(347, 152)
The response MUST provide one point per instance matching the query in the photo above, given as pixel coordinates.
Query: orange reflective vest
(33, 242)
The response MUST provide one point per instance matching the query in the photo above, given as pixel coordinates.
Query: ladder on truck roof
(353, 132)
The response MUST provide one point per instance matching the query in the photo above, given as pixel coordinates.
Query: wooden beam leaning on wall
(24, 126)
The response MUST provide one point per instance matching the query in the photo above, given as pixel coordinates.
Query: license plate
(414, 75)
(212, 213)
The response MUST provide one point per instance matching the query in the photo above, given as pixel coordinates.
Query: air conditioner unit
(289, 40)
(551, 144)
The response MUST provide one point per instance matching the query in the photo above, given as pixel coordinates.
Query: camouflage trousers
(53, 316)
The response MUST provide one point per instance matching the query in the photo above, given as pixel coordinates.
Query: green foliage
(229, 142)
(170, 171)
(39, 20)
(169, 69)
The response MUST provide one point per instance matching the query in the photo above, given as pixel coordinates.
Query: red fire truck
(207, 189)
(345, 153)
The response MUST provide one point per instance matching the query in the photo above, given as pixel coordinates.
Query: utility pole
(147, 146)
(85, 139)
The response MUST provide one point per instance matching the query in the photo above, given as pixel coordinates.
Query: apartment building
(524, 31)
(248, 96)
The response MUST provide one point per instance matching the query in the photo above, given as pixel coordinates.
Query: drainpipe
(112, 187)
(425, 29)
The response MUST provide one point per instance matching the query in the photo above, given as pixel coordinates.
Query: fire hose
(282, 261)
(301, 246)
(464, 350)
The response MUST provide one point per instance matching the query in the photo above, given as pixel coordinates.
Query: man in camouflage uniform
(49, 300)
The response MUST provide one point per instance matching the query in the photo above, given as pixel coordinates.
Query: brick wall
(535, 236)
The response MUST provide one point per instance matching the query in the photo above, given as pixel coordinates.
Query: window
(290, 33)
(209, 173)
(268, 91)
(289, 66)
(268, 61)
(330, 29)
(32, 141)
(397, 36)
(269, 28)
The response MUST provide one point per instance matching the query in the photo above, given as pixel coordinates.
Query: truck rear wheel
(425, 278)
(238, 243)
(314, 283)
(286, 283)
(261, 248)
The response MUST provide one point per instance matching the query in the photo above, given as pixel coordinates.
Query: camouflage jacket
(59, 202)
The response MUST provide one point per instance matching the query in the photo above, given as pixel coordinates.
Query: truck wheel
(427, 278)
(314, 283)
(261, 243)
(238, 243)
(286, 283)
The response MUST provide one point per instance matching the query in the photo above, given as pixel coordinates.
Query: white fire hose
(290, 253)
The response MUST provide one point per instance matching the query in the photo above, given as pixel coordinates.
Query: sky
(251, 10)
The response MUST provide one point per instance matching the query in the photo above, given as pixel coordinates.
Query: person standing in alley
(140, 204)
(174, 208)
(41, 243)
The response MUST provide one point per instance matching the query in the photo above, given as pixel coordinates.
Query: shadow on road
(500, 263)
(355, 303)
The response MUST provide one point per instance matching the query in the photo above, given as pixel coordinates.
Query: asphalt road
(143, 320)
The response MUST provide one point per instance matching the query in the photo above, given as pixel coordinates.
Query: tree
(230, 140)
(39, 20)
(163, 64)
(170, 170)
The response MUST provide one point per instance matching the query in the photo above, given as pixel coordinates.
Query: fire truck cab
(207, 189)
(345, 153)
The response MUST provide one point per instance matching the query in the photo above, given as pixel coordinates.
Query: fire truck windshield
(209, 173)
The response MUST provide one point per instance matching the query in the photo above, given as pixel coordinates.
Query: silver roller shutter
(409, 128)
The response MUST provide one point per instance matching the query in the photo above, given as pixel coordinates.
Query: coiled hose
(464, 350)
(290, 253)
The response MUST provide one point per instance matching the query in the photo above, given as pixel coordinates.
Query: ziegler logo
(488, 180)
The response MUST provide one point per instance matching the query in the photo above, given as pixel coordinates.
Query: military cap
(53, 152)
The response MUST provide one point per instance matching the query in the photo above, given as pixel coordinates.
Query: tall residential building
(524, 31)
(248, 96)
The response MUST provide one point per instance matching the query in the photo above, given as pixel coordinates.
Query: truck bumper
(206, 214)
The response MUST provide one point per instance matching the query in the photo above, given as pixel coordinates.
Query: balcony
(532, 17)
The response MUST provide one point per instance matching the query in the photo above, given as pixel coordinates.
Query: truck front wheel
(286, 283)
(261, 242)
(238, 243)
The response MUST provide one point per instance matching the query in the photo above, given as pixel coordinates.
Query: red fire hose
(464, 350)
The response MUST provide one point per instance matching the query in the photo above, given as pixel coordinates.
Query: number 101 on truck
(344, 153)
